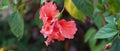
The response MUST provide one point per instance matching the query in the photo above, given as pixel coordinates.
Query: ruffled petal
(67, 28)
(48, 12)
(46, 29)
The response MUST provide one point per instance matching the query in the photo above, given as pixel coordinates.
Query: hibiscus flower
(53, 28)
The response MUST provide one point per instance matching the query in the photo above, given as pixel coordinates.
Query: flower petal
(48, 12)
(67, 28)
(46, 29)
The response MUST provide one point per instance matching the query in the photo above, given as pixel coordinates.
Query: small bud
(108, 46)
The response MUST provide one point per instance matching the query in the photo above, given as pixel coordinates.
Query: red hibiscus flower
(54, 29)
(48, 12)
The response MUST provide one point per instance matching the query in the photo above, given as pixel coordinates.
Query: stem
(59, 14)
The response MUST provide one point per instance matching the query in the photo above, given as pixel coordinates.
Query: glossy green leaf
(73, 10)
(89, 34)
(86, 6)
(107, 31)
(16, 24)
(110, 19)
(114, 6)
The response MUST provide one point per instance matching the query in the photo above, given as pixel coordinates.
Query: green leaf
(106, 13)
(73, 10)
(99, 47)
(86, 6)
(110, 19)
(21, 8)
(98, 20)
(118, 20)
(116, 45)
(114, 6)
(5, 4)
(16, 24)
(89, 34)
(37, 21)
(100, 7)
(92, 42)
(107, 31)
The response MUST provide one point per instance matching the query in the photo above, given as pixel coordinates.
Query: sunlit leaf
(1, 49)
(73, 10)
(114, 6)
(110, 19)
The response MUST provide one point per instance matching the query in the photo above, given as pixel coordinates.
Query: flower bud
(108, 46)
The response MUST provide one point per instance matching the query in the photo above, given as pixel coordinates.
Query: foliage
(16, 24)
(98, 23)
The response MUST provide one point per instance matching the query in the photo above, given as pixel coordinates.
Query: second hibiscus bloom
(53, 28)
